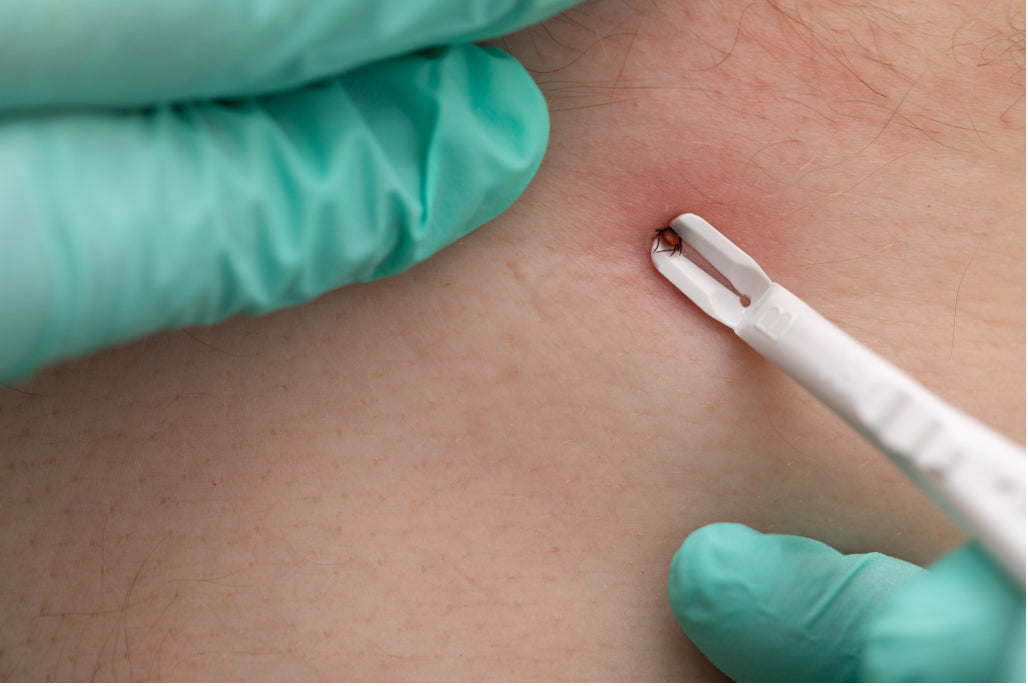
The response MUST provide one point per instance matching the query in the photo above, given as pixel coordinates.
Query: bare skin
(480, 469)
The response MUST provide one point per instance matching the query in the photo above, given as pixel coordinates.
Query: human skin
(480, 469)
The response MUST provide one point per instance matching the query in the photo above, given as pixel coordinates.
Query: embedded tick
(668, 236)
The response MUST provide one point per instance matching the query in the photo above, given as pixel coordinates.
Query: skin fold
(480, 469)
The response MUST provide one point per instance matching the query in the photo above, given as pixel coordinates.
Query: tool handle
(976, 475)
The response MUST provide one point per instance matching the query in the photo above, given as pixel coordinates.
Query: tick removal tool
(976, 475)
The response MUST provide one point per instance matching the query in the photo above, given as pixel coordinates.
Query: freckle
(54, 412)
(273, 431)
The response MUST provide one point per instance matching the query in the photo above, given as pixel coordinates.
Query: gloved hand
(165, 163)
(786, 608)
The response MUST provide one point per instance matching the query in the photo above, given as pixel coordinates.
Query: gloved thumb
(778, 608)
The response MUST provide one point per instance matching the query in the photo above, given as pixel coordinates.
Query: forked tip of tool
(729, 264)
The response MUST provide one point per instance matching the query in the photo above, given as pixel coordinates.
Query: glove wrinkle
(249, 206)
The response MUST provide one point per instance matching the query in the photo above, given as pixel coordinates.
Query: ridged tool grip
(973, 472)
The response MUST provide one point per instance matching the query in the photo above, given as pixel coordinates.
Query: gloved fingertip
(483, 127)
(514, 122)
(718, 598)
(697, 589)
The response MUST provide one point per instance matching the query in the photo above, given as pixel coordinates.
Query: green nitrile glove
(785, 608)
(173, 162)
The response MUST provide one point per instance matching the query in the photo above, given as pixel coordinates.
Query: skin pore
(481, 468)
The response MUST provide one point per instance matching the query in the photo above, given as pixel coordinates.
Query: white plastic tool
(974, 473)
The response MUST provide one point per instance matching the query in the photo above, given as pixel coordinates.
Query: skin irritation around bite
(764, 117)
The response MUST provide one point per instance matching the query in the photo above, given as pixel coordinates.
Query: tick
(668, 236)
